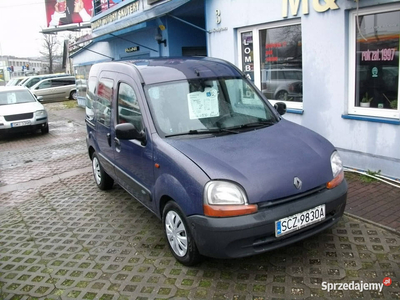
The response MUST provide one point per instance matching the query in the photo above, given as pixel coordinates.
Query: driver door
(133, 159)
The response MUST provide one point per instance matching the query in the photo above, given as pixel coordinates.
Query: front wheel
(73, 95)
(177, 232)
(45, 129)
(102, 179)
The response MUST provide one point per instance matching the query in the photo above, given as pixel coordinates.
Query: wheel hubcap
(96, 170)
(176, 233)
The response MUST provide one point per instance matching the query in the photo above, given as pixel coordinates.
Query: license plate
(300, 220)
(23, 123)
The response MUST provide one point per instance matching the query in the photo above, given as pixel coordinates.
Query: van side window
(90, 96)
(62, 82)
(103, 108)
(33, 82)
(44, 85)
(128, 106)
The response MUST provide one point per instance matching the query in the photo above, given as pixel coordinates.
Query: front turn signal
(229, 210)
(336, 181)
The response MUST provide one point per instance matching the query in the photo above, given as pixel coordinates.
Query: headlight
(225, 199)
(40, 113)
(337, 171)
(223, 192)
(336, 164)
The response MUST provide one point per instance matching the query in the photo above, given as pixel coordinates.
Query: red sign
(387, 281)
(63, 12)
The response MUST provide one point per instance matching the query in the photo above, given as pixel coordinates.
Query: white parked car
(20, 110)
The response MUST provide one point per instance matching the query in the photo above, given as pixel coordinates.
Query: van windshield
(207, 106)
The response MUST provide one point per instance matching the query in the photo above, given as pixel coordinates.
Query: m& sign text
(318, 5)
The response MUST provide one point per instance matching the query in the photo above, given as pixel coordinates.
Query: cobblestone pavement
(65, 239)
(375, 201)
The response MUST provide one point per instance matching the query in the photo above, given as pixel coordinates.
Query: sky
(20, 24)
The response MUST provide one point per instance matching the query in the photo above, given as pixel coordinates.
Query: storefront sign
(132, 49)
(247, 54)
(116, 15)
(378, 55)
(218, 29)
(318, 7)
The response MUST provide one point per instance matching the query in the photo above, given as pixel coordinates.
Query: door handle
(117, 145)
(109, 139)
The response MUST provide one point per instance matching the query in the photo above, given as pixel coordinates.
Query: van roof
(179, 68)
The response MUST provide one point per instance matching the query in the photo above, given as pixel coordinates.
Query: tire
(102, 179)
(176, 229)
(73, 95)
(282, 95)
(45, 129)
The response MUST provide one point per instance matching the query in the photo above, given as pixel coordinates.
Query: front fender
(187, 194)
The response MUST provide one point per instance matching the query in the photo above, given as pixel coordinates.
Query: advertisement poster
(63, 12)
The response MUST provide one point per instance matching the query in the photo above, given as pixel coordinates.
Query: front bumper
(28, 125)
(253, 234)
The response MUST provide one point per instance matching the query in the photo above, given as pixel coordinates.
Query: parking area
(63, 238)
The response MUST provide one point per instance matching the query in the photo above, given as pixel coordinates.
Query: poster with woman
(63, 12)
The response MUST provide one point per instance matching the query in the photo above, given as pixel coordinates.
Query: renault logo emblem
(297, 183)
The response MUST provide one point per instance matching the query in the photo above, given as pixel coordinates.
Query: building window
(374, 62)
(272, 56)
(281, 63)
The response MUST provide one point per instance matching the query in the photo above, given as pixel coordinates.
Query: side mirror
(280, 108)
(127, 131)
(39, 98)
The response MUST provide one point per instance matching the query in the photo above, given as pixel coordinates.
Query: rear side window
(103, 102)
(62, 82)
(90, 96)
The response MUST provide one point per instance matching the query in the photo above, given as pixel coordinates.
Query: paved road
(62, 238)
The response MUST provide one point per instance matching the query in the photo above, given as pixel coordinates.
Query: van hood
(20, 108)
(264, 161)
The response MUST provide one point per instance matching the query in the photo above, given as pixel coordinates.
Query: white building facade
(334, 63)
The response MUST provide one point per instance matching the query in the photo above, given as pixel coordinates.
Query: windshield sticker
(203, 104)
(11, 98)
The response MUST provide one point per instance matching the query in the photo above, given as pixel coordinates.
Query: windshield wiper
(258, 124)
(204, 131)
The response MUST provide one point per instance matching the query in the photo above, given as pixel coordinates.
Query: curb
(372, 223)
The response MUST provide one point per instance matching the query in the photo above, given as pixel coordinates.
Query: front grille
(18, 117)
(275, 202)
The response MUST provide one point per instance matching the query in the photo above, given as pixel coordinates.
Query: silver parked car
(282, 84)
(20, 110)
(56, 89)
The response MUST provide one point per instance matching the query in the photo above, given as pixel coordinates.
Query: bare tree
(50, 52)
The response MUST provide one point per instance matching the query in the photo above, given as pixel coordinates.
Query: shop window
(374, 62)
(271, 56)
(281, 63)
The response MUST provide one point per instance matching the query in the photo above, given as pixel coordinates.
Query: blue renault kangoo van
(201, 147)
